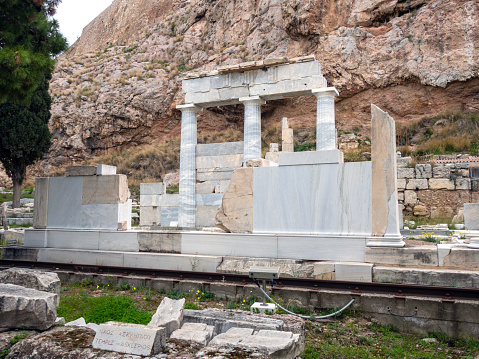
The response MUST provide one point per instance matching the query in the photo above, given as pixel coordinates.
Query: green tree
(24, 135)
(29, 39)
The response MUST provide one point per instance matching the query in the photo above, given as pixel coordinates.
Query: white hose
(305, 316)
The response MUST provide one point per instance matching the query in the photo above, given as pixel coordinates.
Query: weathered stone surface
(410, 197)
(29, 278)
(463, 183)
(401, 182)
(324, 270)
(441, 183)
(423, 170)
(205, 216)
(205, 187)
(129, 338)
(405, 172)
(441, 171)
(471, 215)
(26, 308)
(80, 322)
(236, 212)
(159, 242)
(459, 217)
(411, 256)
(288, 140)
(417, 184)
(169, 314)
(461, 257)
(288, 267)
(475, 184)
(40, 209)
(104, 170)
(171, 179)
(194, 332)
(151, 188)
(403, 162)
(260, 162)
(420, 210)
(442, 212)
(150, 216)
(105, 189)
(356, 272)
(80, 171)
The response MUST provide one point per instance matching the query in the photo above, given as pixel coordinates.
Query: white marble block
(104, 170)
(151, 188)
(325, 118)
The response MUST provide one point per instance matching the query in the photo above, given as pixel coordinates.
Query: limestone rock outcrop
(118, 85)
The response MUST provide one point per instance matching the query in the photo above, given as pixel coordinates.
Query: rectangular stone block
(209, 199)
(40, 208)
(110, 189)
(169, 216)
(441, 171)
(80, 256)
(409, 256)
(205, 216)
(423, 170)
(310, 157)
(72, 239)
(288, 140)
(71, 171)
(405, 172)
(356, 272)
(130, 338)
(222, 161)
(206, 187)
(105, 170)
(150, 216)
(165, 200)
(441, 183)
(403, 162)
(260, 162)
(417, 184)
(471, 216)
(214, 174)
(194, 262)
(159, 242)
(475, 184)
(35, 238)
(196, 84)
(125, 241)
(218, 149)
(324, 270)
(410, 197)
(400, 196)
(463, 183)
(151, 188)
(401, 183)
(223, 186)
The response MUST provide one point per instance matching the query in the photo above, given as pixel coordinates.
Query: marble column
(325, 123)
(252, 128)
(187, 199)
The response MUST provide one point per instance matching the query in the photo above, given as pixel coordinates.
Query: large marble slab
(328, 199)
(310, 157)
(218, 149)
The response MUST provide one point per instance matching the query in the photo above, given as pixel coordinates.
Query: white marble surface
(334, 248)
(310, 157)
(220, 161)
(151, 188)
(471, 215)
(229, 244)
(105, 170)
(35, 238)
(356, 272)
(72, 239)
(332, 199)
(169, 215)
(171, 261)
(217, 149)
(79, 256)
(126, 241)
(209, 199)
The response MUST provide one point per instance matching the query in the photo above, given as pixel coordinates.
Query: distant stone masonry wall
(435, 190)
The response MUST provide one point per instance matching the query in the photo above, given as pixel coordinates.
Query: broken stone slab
(26, 308)
(29, 278)
(71, 171)
(80, 322)
(194, 332)
(129, 338)
(169, 314)
(260, 162)
(235, 214)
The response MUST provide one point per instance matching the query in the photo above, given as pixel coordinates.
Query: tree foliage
(29, 40)
(24, 134)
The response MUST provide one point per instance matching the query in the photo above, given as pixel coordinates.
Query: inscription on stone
(130, 338)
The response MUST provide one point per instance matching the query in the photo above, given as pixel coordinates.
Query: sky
(74, 15)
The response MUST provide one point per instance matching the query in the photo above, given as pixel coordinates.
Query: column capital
(327, 91)
(189, 108)
(253, 99)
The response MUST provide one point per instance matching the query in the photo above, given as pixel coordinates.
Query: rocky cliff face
(118, 85)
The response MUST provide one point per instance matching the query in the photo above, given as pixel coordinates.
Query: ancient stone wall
(435, 190)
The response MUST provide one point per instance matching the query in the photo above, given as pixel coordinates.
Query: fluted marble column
(325, 122)
(187, 199)
(252, 127)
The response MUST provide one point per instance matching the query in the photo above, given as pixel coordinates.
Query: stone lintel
(189, 107)
(328, 91)
(255, 99)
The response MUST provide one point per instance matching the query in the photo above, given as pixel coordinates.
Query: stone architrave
(252, 127)
(187, 200)
(235, 214)
(325, 118)
(169, 315)
(385, 216)
(129, 338)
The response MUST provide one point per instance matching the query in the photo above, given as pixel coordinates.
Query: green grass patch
(102, 309)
